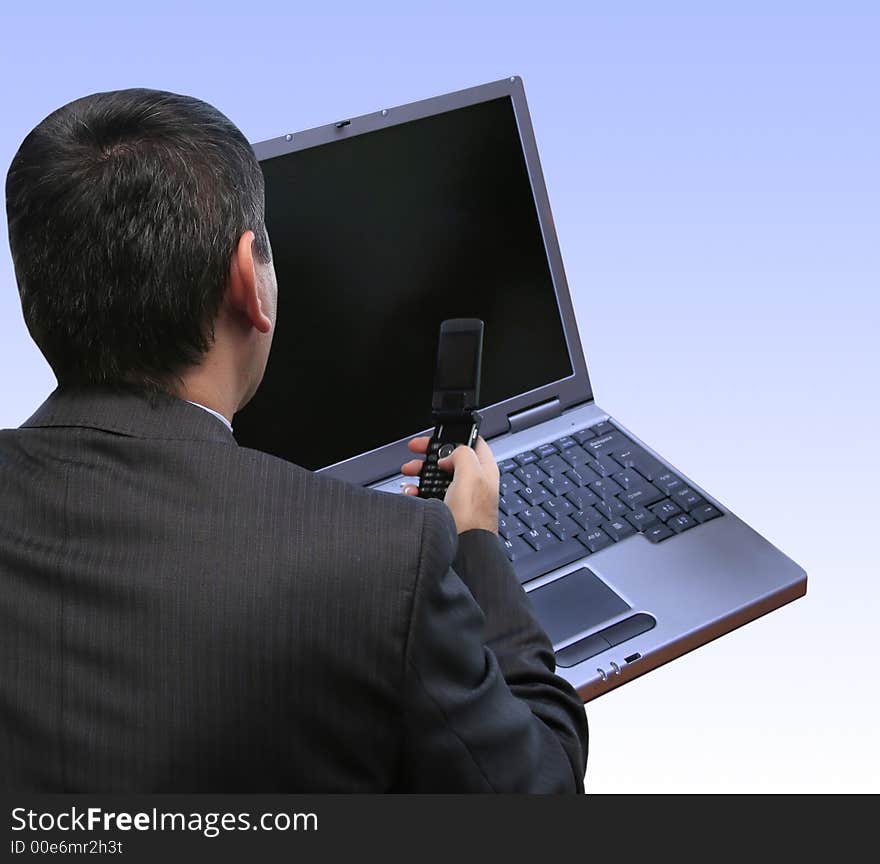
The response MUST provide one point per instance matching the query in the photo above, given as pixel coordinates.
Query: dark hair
(124, 209)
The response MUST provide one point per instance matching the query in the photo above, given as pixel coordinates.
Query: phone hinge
(534, 415)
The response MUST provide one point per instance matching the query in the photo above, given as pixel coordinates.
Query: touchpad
(574, 603)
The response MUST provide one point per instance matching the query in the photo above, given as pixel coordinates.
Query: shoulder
(279, 478)
(356, 553)
(391, 525)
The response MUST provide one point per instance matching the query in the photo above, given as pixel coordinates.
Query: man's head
(136, 225)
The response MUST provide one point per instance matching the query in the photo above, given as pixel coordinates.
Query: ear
(243, 290)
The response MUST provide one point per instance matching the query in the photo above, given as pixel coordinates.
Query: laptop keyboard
(585, 492)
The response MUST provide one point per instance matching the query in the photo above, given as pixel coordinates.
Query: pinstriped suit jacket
(178, 613)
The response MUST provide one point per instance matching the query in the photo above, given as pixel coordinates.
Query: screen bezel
(383, 462)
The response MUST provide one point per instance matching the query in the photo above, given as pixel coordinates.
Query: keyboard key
(595, 539)
(681, 523)
(603, 428)
(581, 498)
(665, 509)
(510, 526)
(611, 508)
(558, 485)
(534, 496)
(667, 482)
(511, 504)
(526, 458)
(583, 436)
(687, 498)
(618, 529)
(533, 517)
(632, 456)
(607, 443)
(540, 538)
(705, 511)
(576, 456)
(641, 518)
(636, 481)
(516, 548)
(603, 465)
(649, 467)
(565, 528)
(658, 532)
(627, 456)
(587, 518)
(508, 466)
(605, 488)
(539, 563)
(558, 507)
(553, 465)
(581, 476)
(545, 450)
(628, 479)
(572, 525)
(565, 443)
(530, 475)
(509, 484)
(641, 496)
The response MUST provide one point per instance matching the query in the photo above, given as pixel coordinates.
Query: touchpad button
(574, 603)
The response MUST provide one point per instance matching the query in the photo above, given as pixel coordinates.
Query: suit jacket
(178, 613)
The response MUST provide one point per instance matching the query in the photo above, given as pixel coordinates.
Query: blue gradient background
(714, 180)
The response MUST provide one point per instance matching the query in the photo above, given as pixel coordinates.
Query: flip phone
(455, 401)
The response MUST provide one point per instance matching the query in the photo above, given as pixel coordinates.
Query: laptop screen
(376, 239)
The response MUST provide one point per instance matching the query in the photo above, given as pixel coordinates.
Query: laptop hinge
(534, 415)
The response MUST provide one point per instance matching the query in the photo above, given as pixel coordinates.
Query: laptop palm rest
(577, 603)
(574, 604)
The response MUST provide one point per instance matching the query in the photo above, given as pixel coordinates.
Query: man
(178, 613)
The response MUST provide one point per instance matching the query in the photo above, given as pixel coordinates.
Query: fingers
(412, 468)
(463, 458)
(409, 489)
(484, 453)
(419, 444)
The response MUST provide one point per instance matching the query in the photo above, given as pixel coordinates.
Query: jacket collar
(129, 411)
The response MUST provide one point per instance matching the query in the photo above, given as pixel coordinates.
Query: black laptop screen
(378, 238)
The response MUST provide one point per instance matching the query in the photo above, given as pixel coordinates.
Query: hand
(473, 494)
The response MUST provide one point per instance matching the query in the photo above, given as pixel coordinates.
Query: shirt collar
(217, 414)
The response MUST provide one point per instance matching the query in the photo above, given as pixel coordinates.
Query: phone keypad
(433, 481)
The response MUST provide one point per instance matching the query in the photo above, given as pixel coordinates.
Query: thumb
(463, 460)
(485, 455)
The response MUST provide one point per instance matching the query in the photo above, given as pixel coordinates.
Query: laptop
(386, 224)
